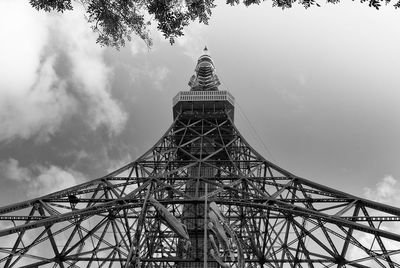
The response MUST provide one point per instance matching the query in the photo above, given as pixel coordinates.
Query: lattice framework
(281, 220)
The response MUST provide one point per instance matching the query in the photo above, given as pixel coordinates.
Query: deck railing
(217, 95)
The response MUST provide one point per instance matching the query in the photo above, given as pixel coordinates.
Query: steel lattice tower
(200, 188)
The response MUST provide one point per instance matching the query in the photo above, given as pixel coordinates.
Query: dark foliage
(116, 20)
(49, 5)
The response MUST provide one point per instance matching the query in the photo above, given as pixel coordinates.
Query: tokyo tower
(200, 197)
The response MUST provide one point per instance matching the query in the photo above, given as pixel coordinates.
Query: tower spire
(205, 77)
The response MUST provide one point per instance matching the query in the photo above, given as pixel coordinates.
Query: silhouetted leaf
(232, 2)
(375, 4)
(308, 3)
(250, 2)
(334, 1)
(50, 5)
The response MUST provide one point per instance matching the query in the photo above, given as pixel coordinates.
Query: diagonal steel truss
(277, 219)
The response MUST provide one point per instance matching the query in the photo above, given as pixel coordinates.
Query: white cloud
(10, 170)
(387, 191)
(36, 110)
(114, 164)
(192, 41)
(24, 35)
(32, 99)
(90, 73)
(158, 75)
(155, 74)
(35, 100)
(52, 179)
(292, 98)
(138, 46)
(40, 179)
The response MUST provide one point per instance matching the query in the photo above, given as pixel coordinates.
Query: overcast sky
(317, 92)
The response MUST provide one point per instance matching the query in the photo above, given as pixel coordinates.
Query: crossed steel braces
(200, 188)
(281, 220)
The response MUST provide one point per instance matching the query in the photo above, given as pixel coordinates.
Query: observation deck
(204, 102)
(204, 98)
(195, 96)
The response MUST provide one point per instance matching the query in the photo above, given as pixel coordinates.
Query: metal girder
(281, 220)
